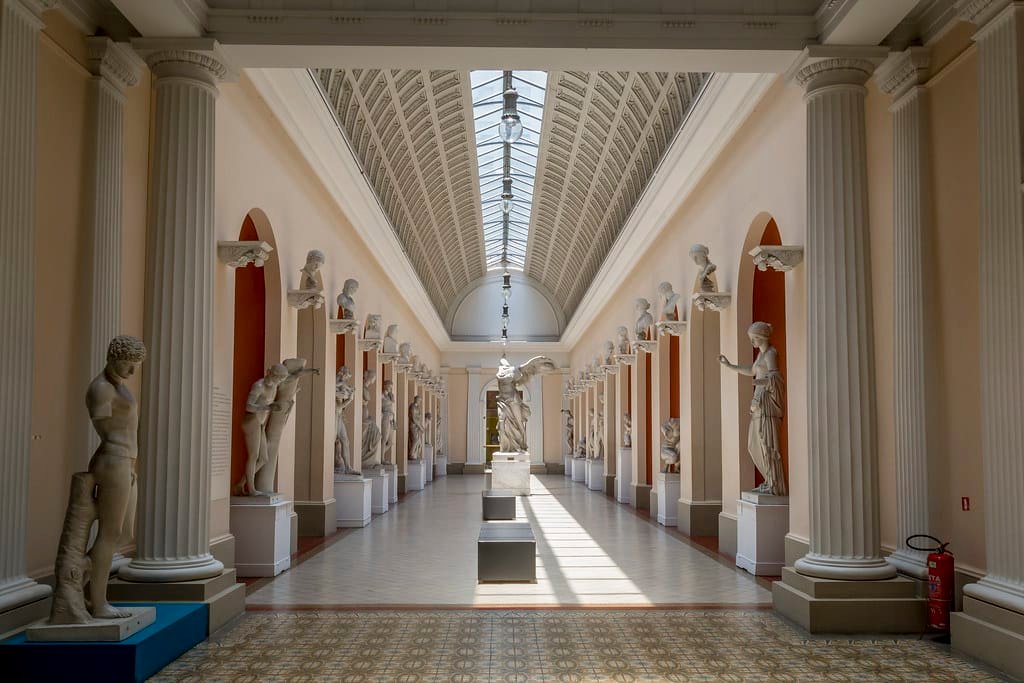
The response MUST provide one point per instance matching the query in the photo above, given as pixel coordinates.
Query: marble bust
(670, 445)
(622, 340)
(644, 319)
(699, 253)
(105, 493)
(405, 356)
(669, 301)
(309, 275)
(372, 330)
(627, 430)
(608, 355)
(391, 339)
(347, 301)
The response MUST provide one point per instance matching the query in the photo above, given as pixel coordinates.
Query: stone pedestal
(595, 474)
(579, 469)
(761, 527)
(261, 526)
(667, 491)
(379, 493)
(510, 474)
(440, 466)
(354, 498)
(567, 465)
(428, 459)
(96, 631)
(415, 475)
(623, 473)
(392, 471)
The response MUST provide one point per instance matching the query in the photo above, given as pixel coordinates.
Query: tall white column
(19, 38)
(174, 490)
(843, 459)
(902, 77)
(474, 418)
(114, 70)
(1000, 41)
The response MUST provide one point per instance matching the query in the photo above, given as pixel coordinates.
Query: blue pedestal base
(178, 628)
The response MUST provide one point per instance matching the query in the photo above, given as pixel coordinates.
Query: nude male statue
(276, 421)
(258, 406)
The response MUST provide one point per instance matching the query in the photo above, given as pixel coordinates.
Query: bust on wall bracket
(343, 326)
(310, 291)
(781, 258)
(240, 254)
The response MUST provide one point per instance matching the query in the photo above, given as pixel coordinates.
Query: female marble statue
(513, 412)
(627, 431)
(308, 280)
(569, 426)
(258, 406)
(669, 301)
(670, 445)
(599, 430)
(106, 493)
(591, 438)
(644, 319)
(344, 394)
(438, 442)
(428, 419)
(699, 253)
(266, 476)
(608, 355)
(387, 415)
(371, 432)
(622, 341)
(347, 300)
(765, 409)
(391, 339)
(416, 429)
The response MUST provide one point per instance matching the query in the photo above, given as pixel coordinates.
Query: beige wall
(458, 383)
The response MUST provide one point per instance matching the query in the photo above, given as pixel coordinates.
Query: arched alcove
(534, 426)
(475, 313)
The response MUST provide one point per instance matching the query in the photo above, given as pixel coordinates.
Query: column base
(641, 494)
(316, 517)
(24, 605)
(830, 606)
(172, 571)
(698, 518)
(844, 569)
(908, 564)
(991, 633)
(224, 597)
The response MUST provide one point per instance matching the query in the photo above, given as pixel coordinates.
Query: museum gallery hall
(477, 340)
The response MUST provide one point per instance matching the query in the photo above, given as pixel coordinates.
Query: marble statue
(308, 276)
(699, 254)
(622, 340)
(258, 406)
(387, 415)
(581, 447)
(344, 394)
(598, 450)
(644, 319)
(765, 409)
(591, 440)
(569, 427)
(371, 431)
(372, 329)
(416, 429)
(391, 339)
(513, 412)
(669, 301)
(284, 399)
(627, 431)
(670, 445)
(438, 442)
(405, 353)
(428, 418)
(106, 493)
(346, 300)
(608, 354)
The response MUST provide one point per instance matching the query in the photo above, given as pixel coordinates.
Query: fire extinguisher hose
(939, 546)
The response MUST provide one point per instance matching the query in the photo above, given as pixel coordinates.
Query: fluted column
(902, 77)
(1000, 41)
(174, 490)
(19, 37)
(114, 70)
(844, 524)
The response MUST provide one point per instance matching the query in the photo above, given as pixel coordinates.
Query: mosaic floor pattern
(553, 645)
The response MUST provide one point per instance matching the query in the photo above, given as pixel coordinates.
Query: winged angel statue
(512, 410)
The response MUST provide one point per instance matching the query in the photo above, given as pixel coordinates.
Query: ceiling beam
(165, 18)
(861, 22)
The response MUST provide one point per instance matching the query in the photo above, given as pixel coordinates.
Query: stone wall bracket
(781, 258)
(236, 254)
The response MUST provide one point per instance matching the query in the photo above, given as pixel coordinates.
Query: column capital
(115, 63)
(821, 66)
(981, 12)
(196, 58)
(904, 71)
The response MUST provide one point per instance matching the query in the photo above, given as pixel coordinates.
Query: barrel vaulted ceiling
(603, 136)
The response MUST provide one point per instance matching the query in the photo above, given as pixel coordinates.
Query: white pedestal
(354, 497)
(510, 475)
(668, 497)
(579, 469)
(428, 458)
(415, 475)
(624, 476)
(567, 465)
(392, 483)
(595, 475)
(261, 526)
(378, 478)
(440, 466)
(761, 526)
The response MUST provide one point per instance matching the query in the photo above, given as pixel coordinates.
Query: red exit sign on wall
(965, 504)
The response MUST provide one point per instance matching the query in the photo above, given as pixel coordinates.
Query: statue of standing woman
(766, 408)
(344, 394)
(416, 429)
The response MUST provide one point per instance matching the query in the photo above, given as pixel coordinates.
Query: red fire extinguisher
(940, 582)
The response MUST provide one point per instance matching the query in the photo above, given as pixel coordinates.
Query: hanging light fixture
(511, 128)
(506, 195)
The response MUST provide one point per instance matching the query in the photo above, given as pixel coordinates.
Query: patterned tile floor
(591, 551)
(551, 645)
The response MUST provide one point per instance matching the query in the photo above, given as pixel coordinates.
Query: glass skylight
(488, 87)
